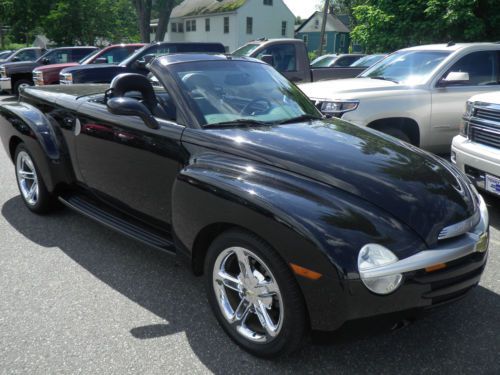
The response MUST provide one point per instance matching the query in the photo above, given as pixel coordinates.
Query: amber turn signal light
(435, 267)
(304, 272)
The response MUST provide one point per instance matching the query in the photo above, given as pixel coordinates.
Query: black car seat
(133, 82)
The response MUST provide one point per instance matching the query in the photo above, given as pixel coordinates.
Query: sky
(302, 8)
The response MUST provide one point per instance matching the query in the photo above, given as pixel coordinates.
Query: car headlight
(372, 256)
(67, 78)
(337, 107)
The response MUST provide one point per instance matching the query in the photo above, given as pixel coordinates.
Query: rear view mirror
(455, 78)
(100, 60)
(268, 59)
(124, 106)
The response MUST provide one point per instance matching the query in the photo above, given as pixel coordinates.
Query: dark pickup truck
(290, 58)
(19, 74)
(136, 63)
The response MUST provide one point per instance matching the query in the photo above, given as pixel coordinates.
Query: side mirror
(15, 59)
(100, 60)
(124, 106)
(45, 61)
(268, 59)
(455, 78)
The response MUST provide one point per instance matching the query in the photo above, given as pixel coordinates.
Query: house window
(173, 27)
(325, 41)
(305, 38)
(283, 28)
(191, 25)
(226, 25)
(207, 24)
(249, 25)
(316, 24)
(342, 40)
(268, 2)
(180, 27)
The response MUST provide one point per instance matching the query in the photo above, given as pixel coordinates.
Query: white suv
(476, 151)
(416, 94)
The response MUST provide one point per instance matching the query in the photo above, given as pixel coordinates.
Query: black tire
(396, 133)
(44, 202)
(294, 322)
(19, 83)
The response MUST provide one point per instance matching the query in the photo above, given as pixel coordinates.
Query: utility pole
(323, 27)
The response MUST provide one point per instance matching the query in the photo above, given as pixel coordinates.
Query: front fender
(308, 223)
(25, 122)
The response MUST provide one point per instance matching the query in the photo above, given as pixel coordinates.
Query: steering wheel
(253, 108)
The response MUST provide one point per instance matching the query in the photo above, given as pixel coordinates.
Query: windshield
(408, 67)
(367, 61)
(246, 50)
(324, 63)
(89, 57)
(241, 91)
(5, 54)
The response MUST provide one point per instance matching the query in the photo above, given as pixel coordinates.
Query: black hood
(20, 66)
(419, 189)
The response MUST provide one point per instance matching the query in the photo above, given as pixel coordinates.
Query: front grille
(3, 73)
(487, 114)
(486, 135)
(454, 281)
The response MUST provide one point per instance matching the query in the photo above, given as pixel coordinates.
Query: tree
(164, 9)
(146, 8)
(387, 25)
(143, 11)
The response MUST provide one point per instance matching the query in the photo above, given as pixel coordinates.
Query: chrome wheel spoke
(244, 263)
(265, 319)
(229, 281)
(27, 178)
(32, 191)
(27, 175)
(242, 311)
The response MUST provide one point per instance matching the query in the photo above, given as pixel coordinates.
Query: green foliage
(313, 55)
(387, 25)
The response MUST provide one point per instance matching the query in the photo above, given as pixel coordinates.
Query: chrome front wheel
(254, 295)
(248, 294)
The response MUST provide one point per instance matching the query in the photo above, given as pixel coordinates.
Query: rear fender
(24, 122)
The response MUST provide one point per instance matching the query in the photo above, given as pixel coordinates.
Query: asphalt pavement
(76, 297)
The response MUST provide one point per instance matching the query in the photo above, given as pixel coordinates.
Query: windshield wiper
(300, 118)
(384, 79)
(237, 122)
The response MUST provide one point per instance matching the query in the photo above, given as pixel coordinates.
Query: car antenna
(450, 43)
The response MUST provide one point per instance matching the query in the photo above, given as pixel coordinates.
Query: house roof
(333, 23)
(190, 8)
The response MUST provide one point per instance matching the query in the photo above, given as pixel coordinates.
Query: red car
(49, 74)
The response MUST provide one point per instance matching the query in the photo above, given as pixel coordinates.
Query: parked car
(339, 68)
(136, 63)
(5, 54)
(415, 94)
(24, 54)
(229, 166)
(115, 54)
(16, 75)
(336, 61)
(476, 150)
(289, 57)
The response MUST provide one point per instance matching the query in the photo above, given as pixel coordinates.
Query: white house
(231, 22)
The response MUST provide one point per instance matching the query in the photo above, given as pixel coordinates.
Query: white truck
(476, 150)
(416, 94)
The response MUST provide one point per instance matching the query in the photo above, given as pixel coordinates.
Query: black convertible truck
(295, 222)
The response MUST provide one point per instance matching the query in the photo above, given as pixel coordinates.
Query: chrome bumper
(474, 241)
(5, 84)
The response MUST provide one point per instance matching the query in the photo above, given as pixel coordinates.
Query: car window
(284, 56)
(344, 61)
(324, 62)
(116, 55)
(481, 66)
(78, 54)
(28, 55)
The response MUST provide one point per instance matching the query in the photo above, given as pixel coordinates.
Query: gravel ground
(78, 298)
